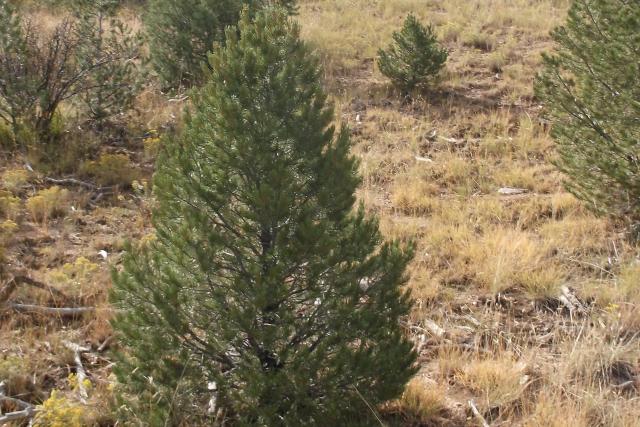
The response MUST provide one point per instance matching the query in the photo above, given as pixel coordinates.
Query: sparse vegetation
(43, 68)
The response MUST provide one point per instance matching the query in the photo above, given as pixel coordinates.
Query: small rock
(509, 191)
(424, 159)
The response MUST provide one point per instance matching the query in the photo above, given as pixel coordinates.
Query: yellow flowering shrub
(13, 179)
(74, 384)
(48, 203)
(111, 169)
(59, 411)
(152, 146)
(75, 275)
(9, 205)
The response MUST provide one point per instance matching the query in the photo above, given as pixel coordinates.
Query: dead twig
(477, 414)
(105, 344)
(509, 191)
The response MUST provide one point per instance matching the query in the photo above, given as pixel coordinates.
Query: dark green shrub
(414, 58)
(592, 97)
(263, 279)
(181, 34)
(111, 88)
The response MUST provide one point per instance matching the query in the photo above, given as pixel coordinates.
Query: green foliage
(112, 87)
(77, 59)
(262, 278)
(14, 78)
(414, 58)
(181, 34)
(592, 97)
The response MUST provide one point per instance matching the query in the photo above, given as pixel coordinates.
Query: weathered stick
(105, 345)
(18, 415)
(477, 414)
(28, 411)
(54, 311)
(70, 181)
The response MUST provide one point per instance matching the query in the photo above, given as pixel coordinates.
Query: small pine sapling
(265, 296)
(414, 58)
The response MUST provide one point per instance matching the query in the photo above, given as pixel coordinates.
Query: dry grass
(489, 268)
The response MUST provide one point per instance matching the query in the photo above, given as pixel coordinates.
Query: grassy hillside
(526, 304)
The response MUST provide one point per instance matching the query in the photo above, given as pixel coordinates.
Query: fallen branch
(81, 374)
(450, 140)
(18, 415)
(178, 99)
(28, 410)
(99, 192)
(423, 159)
(71, 181)
(36, 284)
(477, 414)
(54, 311)
(7, 290)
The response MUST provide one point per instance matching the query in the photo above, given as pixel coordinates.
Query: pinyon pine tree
(266, 298)
(104, 38)
(592, 97)
(414, 58)
(181, 34)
